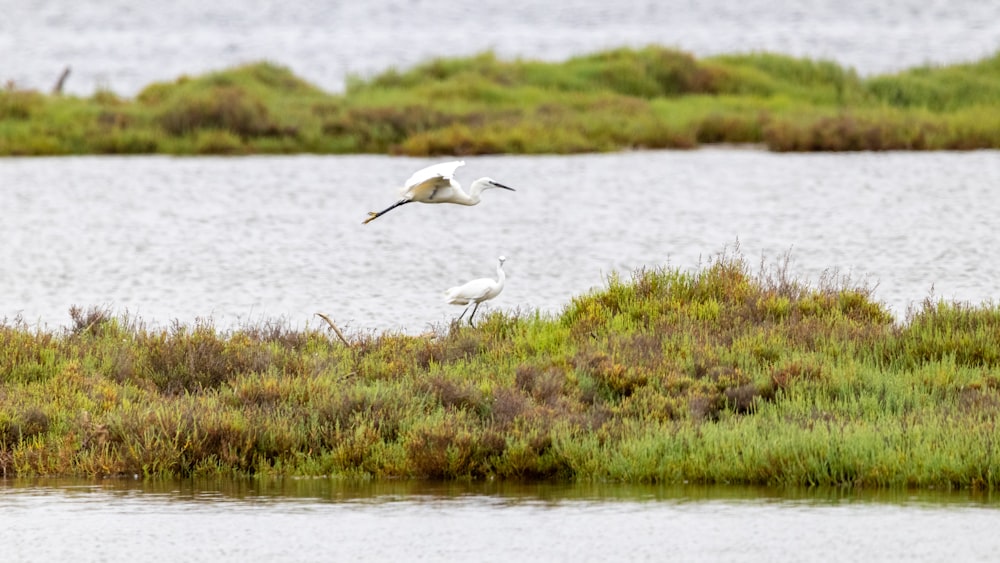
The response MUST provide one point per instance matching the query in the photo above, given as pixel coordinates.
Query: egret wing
(443, 170)
(432, 190)
(472, 291)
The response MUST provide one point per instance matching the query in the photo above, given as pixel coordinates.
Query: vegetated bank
(620, 99)
(721, 375)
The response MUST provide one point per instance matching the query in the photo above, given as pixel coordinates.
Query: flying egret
(436, 184)
(477, 291)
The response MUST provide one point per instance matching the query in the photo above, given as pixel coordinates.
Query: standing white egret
(436, 184)
(477, 291)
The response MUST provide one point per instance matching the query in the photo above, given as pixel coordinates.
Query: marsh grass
(651, 97)
(722, 374)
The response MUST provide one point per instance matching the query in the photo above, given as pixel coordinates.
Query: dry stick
(58, 88)
(340, 335)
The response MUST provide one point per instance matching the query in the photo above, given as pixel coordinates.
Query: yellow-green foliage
(941, 89)
(716, 375)
(652, 97)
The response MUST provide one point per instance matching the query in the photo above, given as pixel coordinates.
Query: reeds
(624, 98)
(716, 375)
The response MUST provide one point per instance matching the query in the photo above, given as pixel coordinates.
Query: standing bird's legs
(474, 309)
(466, 310)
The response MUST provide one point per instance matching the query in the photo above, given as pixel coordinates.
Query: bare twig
(58, 88)
(340, 335)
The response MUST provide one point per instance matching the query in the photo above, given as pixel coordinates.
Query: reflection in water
(335, 490)
(322, 520)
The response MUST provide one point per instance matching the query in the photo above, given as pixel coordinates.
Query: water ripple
(239, 240)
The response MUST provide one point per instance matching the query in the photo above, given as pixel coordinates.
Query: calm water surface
(240, 240)
(124, 45)
(320, 520)
(243, 239)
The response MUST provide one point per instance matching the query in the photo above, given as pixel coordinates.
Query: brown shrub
(706, 407)
(647, 404)
(616, 378)
(344, 411)
(277, 332)
(452, 394)
(446, 450)
(457, 345)
(89, 321)
(720, 128)
(184, 360)
(228, 108)
(784, 376)
(28, 424)
(974, 400)
(544, 386)
(847, 132)
(741, 399)
(379, 128)
(507, 405)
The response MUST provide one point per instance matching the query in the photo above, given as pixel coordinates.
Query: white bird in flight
(436, 184)
(477, 291)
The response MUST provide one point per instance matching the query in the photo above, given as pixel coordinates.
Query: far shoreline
(615, 100)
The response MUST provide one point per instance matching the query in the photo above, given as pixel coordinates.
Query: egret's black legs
(474, 309)
(466, 310)
(372, 215)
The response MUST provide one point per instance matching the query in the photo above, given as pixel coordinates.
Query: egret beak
(499, 185)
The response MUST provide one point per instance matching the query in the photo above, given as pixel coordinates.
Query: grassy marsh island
(620, 99)
(728, 374)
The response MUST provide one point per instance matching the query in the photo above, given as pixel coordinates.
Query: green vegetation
(646, 98)
(721, 375)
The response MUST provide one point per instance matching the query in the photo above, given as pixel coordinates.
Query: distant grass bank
(722, 375)
(621, 99)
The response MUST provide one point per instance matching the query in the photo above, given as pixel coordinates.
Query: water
(238, 240)
(124, 45)
(243, 240)
(320, 520)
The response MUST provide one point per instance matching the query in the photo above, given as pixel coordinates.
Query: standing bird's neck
(500, 275)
